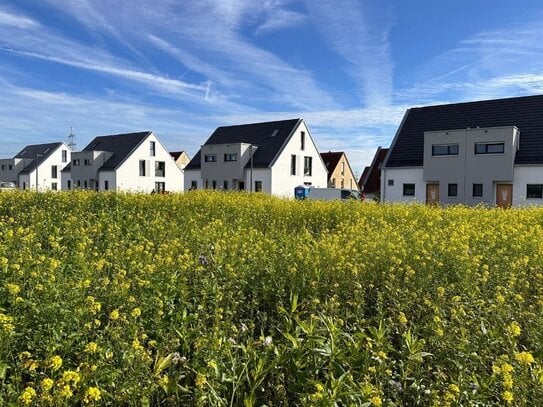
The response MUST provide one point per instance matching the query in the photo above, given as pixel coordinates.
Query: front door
(432, 194)
(504, 195)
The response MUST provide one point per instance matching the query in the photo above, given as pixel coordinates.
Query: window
(54, 171)
(292, 164)
(69, 184)
(142, 168)
(3, 167)
(76, 161)
(230, 157)
(152, 148)
(206, 184)
(24, 185)
(225, 184)
(534, 191)
(477, 190)
(409, 189)
(390, 182)
(342, 183)
(193, 185)
(64, 156)
(333, 182)
(444, 149)
(54, 186)
(308, 164)
(210, 158)
(258, 186)
(160, 187)
(302, 140)
(106, 185)
(86, 184)
(342, 168)
(10, 167)
(214, 184)
(453, 190)
(78, 183)
(160, 169)
(87, 161)
(489, 148)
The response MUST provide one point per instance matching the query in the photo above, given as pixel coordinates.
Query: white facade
(394, 179)
(127, 175)
(48, 172)
(282, 181)
(160, 173)
(277, 180)
(524, 176)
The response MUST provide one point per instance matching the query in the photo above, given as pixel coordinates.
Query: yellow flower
(514, 329)
(27, 396)
(136, 312)
(6, 323)
(164, 380)
(13, 289)
(507, 368)
(114, 315)
(46, 384)
(92, 394)
(65, 391)
(91, 347)
(402, 319)
(440, 291)
(507, 396)
(376, 401)
(55, 362)
(524, 358)
(69, 376)
(200, 381)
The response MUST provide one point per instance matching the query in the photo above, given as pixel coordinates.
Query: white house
(129, 162)
(488, 152)
(272, 157)
(36, 166)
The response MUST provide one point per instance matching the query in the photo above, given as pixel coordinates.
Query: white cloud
(17, 21)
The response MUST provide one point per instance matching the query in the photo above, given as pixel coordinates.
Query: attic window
(274, 133)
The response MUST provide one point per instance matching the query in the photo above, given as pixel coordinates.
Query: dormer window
(230, 157)
(489, 148)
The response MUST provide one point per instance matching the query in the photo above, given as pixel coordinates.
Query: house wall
(193, 175)
(88, 172)
(182, 160)
(400, 176)
(109, 176)
(343, 172)
(467, 168)
(45, 179)
(282, 182)
(127, 174)
(17, 165)
(259, 174)
(221, 170)
(524, 175)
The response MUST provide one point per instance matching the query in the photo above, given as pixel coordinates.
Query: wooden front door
(432, 194)
(504, 195)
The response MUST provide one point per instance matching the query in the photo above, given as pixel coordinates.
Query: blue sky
(181, 68)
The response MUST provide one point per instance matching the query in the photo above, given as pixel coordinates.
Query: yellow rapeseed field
(229, 299)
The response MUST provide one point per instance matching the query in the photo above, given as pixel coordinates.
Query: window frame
(293, 164)
(54, 171)
(531, 196)
(486, 148)
(160, 169)
(477, 185)
(230, 157)
(405, 189)
(210, 158)
(142, 168)
(308, 166)
(449, 151)
(452, 190)
(152, 148)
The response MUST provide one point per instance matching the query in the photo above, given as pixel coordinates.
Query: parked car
(7, 186)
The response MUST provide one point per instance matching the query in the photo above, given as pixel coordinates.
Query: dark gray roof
(526, 113)
(121, 145)
(32, 151)
(258, 134)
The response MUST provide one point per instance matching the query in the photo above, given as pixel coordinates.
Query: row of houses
(485, 152)
(272, 157)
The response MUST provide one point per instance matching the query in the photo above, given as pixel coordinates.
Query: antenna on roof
(71, 140)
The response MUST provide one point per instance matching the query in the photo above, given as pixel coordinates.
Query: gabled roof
(331, 160)
(31, 152)
(363, 176)
(526, 113)
(269, 137)
(176, 154)
(121, 145)
(371, 182)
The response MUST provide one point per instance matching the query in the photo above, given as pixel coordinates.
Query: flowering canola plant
(215, 299)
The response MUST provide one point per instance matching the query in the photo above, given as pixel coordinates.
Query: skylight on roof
(274, 133)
